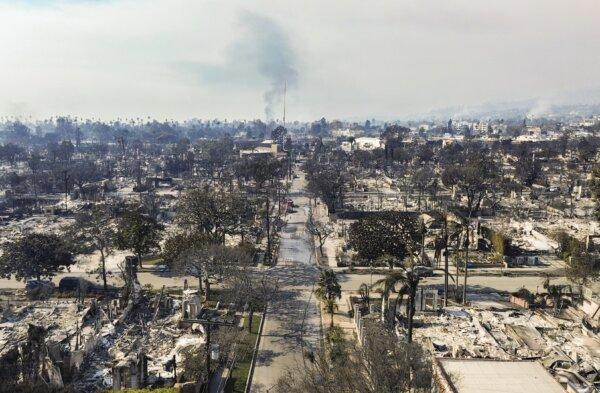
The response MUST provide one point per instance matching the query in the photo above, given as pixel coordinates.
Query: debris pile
(568, 351)
(48, 340)
(136, 340)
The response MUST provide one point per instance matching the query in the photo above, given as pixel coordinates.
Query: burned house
(48, 341)
(130, 372)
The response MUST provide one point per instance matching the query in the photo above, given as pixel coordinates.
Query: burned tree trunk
(132, 292)
(33, 353)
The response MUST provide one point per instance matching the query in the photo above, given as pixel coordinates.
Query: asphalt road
(155, 279)
(351, 282)
(293, 322)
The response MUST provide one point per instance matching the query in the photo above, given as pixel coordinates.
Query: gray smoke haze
(275, 58)
(190, 58)
(263, 49)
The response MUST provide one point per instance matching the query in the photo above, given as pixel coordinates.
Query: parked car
(161, 268)
(73, 284)
(423, 271)
(39, 289)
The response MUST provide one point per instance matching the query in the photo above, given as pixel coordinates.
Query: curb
(254, 353)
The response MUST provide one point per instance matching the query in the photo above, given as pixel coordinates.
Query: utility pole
(290, 161)
(208, 345)
(207, 326)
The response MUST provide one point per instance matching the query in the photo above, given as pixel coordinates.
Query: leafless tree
(382, 364)
(318, 228)
(210, 262)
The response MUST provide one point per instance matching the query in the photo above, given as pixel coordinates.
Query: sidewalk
(340, 317)
(332, 243)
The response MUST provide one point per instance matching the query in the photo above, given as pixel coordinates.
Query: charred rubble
(137, 339)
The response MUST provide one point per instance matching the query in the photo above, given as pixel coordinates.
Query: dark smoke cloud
(275, 58)
(263, 50)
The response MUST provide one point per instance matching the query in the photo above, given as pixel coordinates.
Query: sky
(351, 59)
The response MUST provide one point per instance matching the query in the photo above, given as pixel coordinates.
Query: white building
(343, 132)
(368, 143)
(499, 128)
(533, 130)
(481, 127)
(588, 122)
(265, 147)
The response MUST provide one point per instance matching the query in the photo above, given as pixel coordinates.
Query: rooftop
(490, 376)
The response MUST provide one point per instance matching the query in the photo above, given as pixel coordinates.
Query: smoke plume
(261, 54)
(275, 57)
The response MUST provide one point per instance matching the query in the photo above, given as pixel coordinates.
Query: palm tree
(455, 232)
(556, 293)
(409, 282)
(364, 292)
(328, 290)
(331, 307)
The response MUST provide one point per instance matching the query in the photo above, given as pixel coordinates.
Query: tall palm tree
(331, 307)
(556, 293)
(329, 290)
(454, 231)
(364, 290)
(408, 281)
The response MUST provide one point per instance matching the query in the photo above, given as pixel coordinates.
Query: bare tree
(93, 231)
(318, 228)
(216, 212)
(266, 172)
(474, 177)
(210, 262)
(253, 291)
(381, 364)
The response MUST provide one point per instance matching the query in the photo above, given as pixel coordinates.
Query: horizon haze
(185, 59)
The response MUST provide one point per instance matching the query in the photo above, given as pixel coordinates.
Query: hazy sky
(340, 59)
